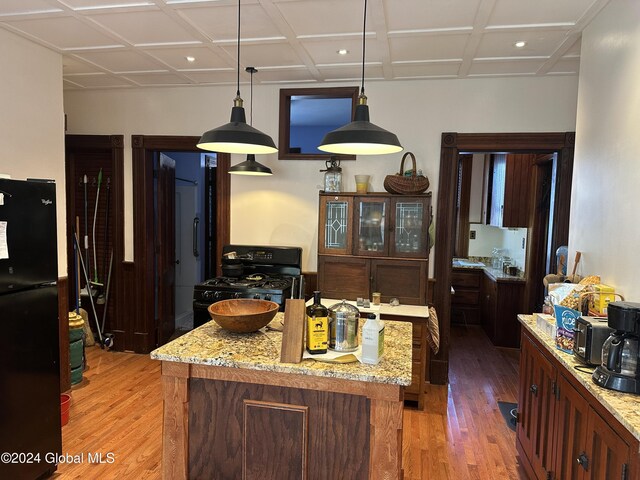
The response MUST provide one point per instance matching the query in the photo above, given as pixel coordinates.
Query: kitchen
(605, 139)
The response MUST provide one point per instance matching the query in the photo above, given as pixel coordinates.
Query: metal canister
(343, 327)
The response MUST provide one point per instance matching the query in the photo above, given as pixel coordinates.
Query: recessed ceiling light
(343, 51)
(520, 44)
(190, 59)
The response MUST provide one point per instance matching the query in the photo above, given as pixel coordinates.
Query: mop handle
(93, 233)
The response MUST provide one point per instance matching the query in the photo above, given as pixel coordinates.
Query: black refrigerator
(30, 428)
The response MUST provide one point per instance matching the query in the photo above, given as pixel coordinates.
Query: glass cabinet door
(372, 223)
(410, 231)
(335, 227)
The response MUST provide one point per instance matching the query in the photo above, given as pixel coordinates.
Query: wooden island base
(229, 423)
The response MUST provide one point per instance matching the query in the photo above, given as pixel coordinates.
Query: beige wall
(32, 121)
(282, 210)
(605, 219)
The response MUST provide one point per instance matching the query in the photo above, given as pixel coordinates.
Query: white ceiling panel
(512, 67)
(64, 33)
(519, 12)
(220, 23)
(143, 28)
(325, 51)
(18, 7)
(432, 14)
(157, 79)
(298, 40)
(121, 61)
(177, 58)
(566, 65)
(427, 47)
(501, 44)
(313, 17)
(214, 77)
(98, 81)
(426, 70)
(266, 55)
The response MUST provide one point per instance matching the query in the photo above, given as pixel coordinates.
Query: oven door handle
(196, 221)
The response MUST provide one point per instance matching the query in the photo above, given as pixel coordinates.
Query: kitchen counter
(482, 263)
(211, 345)
(624, 407)
(229, 402)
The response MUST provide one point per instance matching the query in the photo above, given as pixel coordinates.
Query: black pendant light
(250, 166)
(361, 137)
(236, 136)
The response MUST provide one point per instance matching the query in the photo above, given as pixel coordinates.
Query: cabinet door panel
(526, 399)
(468, 279)
(571, 431)
(606, 452)
(403, 279)
(371, 224)
(409, 225)
(343, 277)
(335, 225)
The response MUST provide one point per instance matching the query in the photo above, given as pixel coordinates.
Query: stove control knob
(217, 295)
(206, 295)
(257, 296)
(236, 295)
(267, 297)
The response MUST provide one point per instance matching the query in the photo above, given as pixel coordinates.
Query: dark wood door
(165, 227)
(571, 431)
(405, 280)
(607, 454)
(344, 277)
(537, 408)
(408, 226)
(335, 227)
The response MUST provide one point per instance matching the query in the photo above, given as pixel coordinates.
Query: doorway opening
(453, 144)
(175, 222)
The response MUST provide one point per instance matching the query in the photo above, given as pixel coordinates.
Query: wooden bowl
(243, 315)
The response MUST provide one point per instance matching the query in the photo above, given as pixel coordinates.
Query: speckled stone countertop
(211, 345)
(623, 406)
(494, 273)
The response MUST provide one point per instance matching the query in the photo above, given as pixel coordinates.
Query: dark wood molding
(143, 337)
(63, 330)
(452, 144)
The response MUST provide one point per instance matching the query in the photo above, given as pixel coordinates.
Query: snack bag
(565, 322)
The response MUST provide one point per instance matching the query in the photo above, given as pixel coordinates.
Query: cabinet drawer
(465, 279)
(466, 297)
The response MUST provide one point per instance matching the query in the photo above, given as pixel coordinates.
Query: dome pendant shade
(237, 136)
(250, 167)
(360, 137)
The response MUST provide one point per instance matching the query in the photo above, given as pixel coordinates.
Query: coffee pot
(620, 368)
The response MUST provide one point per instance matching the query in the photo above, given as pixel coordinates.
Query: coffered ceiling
(138, 43)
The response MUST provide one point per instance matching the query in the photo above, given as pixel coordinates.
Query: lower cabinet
(500, 305)
(465, 302)
(560, 435)
(352, 277)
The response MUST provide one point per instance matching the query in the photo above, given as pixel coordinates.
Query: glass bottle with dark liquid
(317, 326)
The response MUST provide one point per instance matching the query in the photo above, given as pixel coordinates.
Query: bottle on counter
(317, 326)
(372, 339)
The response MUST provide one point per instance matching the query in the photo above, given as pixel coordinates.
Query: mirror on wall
(307, 114)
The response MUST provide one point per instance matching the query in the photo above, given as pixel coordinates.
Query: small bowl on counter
(243, 315)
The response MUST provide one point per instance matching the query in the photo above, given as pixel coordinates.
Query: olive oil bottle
(317, 326)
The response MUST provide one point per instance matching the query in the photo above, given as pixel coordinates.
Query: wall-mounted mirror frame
(284, 137)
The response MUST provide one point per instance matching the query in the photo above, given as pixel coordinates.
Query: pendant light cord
(238, 68)
(364, 35)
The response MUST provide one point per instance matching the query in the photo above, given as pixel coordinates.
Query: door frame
(143, 147)
(452, 144)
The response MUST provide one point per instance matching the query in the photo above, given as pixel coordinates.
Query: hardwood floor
(461, 434)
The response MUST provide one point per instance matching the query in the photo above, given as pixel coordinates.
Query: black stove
(267, 273)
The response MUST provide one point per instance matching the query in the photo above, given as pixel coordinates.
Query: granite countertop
(211, 345)
(623, 406)
(484, 263)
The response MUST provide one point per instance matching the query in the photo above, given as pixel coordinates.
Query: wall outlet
(472, 234)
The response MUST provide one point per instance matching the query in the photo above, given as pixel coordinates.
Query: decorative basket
(406, 185)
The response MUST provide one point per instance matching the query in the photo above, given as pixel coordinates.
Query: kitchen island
(232, 410)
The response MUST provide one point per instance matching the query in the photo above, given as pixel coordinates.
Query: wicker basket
(406, 185)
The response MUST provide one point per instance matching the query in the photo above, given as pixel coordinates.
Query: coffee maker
(620, 368)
